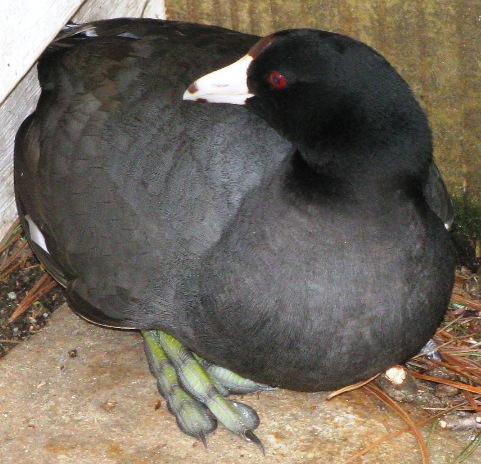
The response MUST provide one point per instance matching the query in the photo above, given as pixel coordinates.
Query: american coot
(302, 249)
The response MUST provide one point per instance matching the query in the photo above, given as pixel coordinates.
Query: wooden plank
(44, 22)
(27, 28)
(100, 9)
(13, 111)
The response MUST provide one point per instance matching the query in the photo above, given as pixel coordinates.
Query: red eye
(277, 80)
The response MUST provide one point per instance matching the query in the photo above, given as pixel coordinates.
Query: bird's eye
(277, 80)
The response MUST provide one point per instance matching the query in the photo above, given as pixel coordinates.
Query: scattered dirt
(12, 291)
(17, 278)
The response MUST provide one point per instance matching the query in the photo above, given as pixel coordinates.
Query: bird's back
(127, 184)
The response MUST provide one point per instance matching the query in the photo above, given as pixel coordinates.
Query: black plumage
(307, 258)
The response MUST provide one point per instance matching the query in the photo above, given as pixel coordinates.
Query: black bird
(302, 249)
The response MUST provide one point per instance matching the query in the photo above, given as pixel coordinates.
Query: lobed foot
(195, 394)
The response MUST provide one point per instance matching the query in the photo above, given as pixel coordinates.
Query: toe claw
(251, 436)
(202, 437)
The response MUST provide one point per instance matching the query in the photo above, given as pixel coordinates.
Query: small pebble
(441, 372)
(445, 391)
(398, 383)
(12, 296)
(109, 405)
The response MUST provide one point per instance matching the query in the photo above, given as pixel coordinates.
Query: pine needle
(44, 285)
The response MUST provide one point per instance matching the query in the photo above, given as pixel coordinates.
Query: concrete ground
(79, 393)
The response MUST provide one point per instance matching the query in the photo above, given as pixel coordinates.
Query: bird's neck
(363, 172)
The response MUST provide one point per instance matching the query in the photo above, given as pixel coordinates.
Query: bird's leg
(190, 393)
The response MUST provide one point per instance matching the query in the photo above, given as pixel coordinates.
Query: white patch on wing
(91, 32)
(36, 234)
(76, 28)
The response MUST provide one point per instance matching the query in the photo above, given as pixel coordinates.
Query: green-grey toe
(175, 366)
(191, 415)
(230, 381)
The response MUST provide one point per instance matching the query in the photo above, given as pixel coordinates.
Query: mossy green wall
(434, 44)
